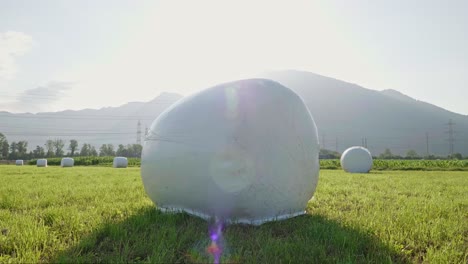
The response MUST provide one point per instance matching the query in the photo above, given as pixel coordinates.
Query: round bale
(356, 160)
(120, 162)
(41, 163)
(245, 152)
(67, 162)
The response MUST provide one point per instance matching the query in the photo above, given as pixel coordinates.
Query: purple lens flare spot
(215, 248)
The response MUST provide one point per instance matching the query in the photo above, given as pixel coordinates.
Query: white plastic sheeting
(245, 152)
(120, 162)
(41, 163)
(356, 160)
(67, 162)
(19, 162)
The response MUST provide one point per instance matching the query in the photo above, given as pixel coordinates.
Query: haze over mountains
(346, 115)
(388, 119)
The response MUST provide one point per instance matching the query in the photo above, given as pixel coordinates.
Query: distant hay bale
(67, 162)
(120, 162)
(41, 163)
(19, 162)
(356, 160)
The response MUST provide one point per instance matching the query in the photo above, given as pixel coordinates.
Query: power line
(60, 96)
(138, 141)
(39, 115)
(116, 118)
(451, 138)
(427, 144)
(55, 130)
(64, 134)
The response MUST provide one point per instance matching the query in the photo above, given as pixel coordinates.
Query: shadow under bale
(152, 236)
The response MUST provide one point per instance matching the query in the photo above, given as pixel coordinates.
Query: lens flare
(215, 248)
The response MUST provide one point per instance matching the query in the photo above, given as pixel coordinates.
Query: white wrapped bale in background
(356, 160)
(245, 151)
(67, 162)
(120, 162)
(19, 162)
(41, 163)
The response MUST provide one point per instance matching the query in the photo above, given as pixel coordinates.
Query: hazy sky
(57, 55)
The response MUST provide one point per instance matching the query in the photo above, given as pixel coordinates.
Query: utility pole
(427, 144)
(364, 142)
(138, 140)
(451, 139)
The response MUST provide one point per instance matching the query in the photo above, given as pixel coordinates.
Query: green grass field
(334, 164)
(102, 215)
(418, 165)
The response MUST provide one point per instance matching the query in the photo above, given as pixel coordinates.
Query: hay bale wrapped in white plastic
(120, 162)
(67, 162)
(41, 163)
(19, 162)
(245, 151)
(356, 160)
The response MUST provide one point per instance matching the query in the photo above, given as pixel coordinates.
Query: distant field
(383, 164)
(379, 164)
(100, 214)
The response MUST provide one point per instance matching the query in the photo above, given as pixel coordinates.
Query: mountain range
(351, 114)
(346, 115)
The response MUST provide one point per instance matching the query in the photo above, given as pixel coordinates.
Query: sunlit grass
(93, 214)
(417, 164)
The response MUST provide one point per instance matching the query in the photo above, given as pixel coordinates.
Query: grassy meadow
(416, 164)
(102, 215)
(332, 164)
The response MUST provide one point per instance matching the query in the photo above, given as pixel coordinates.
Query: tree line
(56, 148)
(61, 148)
(412, 155)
